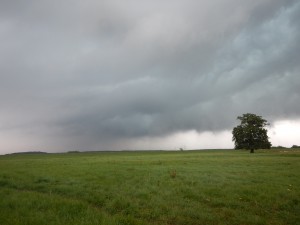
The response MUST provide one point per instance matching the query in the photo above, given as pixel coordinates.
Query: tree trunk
(252, 150)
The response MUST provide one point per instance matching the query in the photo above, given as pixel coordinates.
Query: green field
(174, 188)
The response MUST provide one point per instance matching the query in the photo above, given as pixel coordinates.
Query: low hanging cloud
(90, 75)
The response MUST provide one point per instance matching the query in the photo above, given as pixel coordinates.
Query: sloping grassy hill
(189, 187)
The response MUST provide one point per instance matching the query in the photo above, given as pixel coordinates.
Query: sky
(136, 74)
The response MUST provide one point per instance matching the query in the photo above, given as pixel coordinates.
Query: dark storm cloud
(88, 74)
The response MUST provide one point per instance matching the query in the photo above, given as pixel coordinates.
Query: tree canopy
(251, 134)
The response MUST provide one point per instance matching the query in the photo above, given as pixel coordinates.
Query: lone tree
(251, 133)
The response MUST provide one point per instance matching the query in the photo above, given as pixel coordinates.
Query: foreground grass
(196, 187)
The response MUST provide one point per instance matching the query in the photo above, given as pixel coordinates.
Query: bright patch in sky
(185, 140)
(285, 133)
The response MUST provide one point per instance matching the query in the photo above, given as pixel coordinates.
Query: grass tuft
(173, 174)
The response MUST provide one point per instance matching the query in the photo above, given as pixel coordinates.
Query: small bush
(173, 174)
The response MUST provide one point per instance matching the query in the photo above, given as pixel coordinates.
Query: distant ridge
(29, 152)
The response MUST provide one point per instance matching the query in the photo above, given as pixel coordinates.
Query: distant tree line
(279, 146)
(295, 146)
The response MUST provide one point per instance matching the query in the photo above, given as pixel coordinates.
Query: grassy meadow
(170, 188)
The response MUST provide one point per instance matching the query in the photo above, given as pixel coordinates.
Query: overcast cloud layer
(92, 74)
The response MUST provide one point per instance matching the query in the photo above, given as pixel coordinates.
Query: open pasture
(170, 188)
